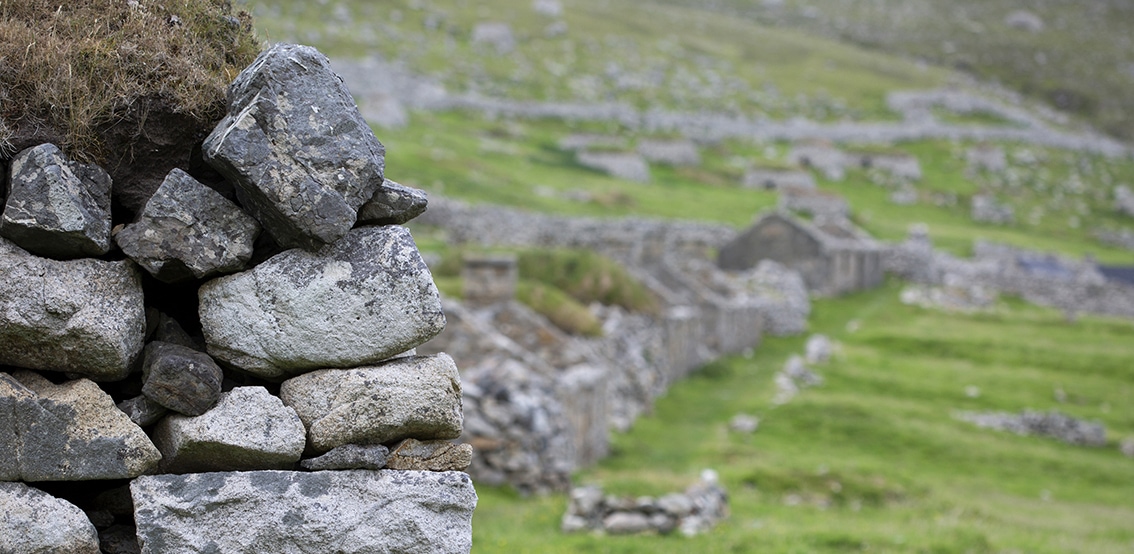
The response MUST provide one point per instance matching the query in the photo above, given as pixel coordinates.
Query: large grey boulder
(300, 155)
(68, 432)
(418, 397)
(57, 207)
(356, 302)
(346, 512)
(34, 522)
(180, 378)
(248, 429)
(393, 204)
(83, 316)
(189, 231)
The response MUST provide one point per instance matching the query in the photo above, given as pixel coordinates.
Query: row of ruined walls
(540, 403)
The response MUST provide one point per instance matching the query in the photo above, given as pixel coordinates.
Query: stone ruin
(269, 381)
(700, 508)
(1054, 425)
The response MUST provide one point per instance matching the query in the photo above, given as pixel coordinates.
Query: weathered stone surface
(119, 539)
(189, 231)
(169, 330)
(84, 316)
(348, 512)
(417, 397)
(430, 456)
(294, 144)
(349, 456)
(393, 204)
(248, 429)
(356, 302)
(142, 411)
(624, 165)
(57, 207)
(68, 432)
(670, 152)
(626, 523)
(181, 379)
(34, 522)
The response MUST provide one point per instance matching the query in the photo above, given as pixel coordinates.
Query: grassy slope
(1081, 61)
(874, 456)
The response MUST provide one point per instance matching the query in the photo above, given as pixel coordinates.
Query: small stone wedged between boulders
(393, 204)
(189, 231)
(412, 454)
(181, 379)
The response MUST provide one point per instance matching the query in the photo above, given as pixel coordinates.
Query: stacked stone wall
(280, 390)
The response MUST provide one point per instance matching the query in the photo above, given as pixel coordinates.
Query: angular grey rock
(393, 204)
(189, 231)
(667, 152)
(359, 301)
(300, 155)
(626, 523)
(169, 330)
(142, 411)
(623, 165)
(248, 429)
(417, 397)
(57, 207)
(84, 316)
(181, 379)
(347, 512)
(412, 454)
(34, 522)
(349, 456)
(68, 432)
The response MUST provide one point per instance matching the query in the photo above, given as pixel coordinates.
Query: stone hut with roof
(833, 256)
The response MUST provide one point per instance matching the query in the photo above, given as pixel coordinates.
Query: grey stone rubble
(1127, 447)
(674, 153)
(986, 209)
(362, 299)
(700, 508)
(56, 207)
(1124, 200)
(1054, 425)
(777, 179)
(744, 423)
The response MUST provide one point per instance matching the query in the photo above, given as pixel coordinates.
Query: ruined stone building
(833, 256)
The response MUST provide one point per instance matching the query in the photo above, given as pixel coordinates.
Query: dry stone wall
(226, 378)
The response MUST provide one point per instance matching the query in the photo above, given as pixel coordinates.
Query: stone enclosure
(240, 354)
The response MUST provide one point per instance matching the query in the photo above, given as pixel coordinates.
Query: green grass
(872, 461)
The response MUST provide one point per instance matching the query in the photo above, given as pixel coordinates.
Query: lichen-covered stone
(349, 456)
(68, 432)
(57, 207)
(359, 301)
(418, 397)
(83, 317)
(347, 512)
(412, 454)
(300, 155)
(189, 231)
